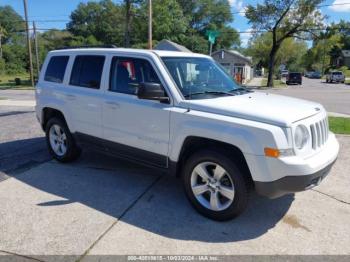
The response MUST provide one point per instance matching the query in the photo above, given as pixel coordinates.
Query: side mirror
(152, 91)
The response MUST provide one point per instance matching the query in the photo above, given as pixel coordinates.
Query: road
(100, 205)
(334, 97)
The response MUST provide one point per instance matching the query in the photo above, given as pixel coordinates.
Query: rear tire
(215, 186)
(60, 141)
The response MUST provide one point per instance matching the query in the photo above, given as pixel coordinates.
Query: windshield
(199, 78)
(337, 73)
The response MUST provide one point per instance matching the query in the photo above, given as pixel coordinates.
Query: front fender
(249, 136)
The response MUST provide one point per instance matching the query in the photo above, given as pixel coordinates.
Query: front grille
(319, 133)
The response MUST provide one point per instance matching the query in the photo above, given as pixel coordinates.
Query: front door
(136, 128)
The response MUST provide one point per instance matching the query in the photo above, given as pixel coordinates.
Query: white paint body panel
(250, 122)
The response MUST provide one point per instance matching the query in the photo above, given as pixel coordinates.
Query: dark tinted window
(127, 73)
(337, 73)
(295, 74)
(87, 71)
(56, 68)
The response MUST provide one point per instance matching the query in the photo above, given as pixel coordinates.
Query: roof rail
(86, 46)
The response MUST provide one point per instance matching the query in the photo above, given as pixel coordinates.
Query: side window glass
(56, 68)
(87, 71)
(127, 73)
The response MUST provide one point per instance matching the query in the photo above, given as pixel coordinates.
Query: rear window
(87, 71)
(337, 73)
(56, 68)
(294, 74)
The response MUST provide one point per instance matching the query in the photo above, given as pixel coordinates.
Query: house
(236, 64)
(171, 46)
(343, 59)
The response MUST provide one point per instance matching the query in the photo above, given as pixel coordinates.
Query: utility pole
(36, 51)
(28, 43)
(0, 43)
(149, 24)
(324, 54)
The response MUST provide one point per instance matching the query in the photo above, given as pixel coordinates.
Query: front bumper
(291, 184)
(274, 177)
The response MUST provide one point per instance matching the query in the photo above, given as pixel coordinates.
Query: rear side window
(87, 71)
(56, 68)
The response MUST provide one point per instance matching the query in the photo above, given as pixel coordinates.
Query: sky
(55, 14)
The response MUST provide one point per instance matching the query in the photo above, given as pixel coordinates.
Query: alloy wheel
(212, 186)
(58, 140)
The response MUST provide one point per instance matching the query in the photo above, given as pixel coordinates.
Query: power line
(221, 31)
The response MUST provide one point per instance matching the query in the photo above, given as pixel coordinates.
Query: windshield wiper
(240, 89)
(209, 92)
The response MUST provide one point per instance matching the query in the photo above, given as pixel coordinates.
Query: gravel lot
(100, 205)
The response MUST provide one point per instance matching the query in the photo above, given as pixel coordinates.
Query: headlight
(301, 136)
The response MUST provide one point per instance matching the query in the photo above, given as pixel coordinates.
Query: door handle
(71, 97)
(113, 104)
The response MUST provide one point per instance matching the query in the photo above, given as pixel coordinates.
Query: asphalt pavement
(335, 97)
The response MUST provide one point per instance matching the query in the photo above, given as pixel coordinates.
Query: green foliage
(169, 22)
(284, 19)
(206, 15)
(344, 69)
(13, 41)
(122, 23)
(15, 56)
(327, 47)
(103, 20)
(11, 23)
(2, 66)
(290, 53)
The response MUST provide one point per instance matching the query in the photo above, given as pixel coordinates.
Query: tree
(13, 41)
(11, 22)
(130, 8)
(290, 53)
(103, 20)
(284, 19)
(128, 17)
(168, 22)
(206, 15)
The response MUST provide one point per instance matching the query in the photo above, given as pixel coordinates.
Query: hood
(258, 106)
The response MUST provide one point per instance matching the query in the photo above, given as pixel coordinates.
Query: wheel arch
(193, 144)
(49, 112)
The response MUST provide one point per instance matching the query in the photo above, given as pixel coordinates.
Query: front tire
(215, 186)
(60, 141)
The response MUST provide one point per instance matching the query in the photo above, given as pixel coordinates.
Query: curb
(338, 114)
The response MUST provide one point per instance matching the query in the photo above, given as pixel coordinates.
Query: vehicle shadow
(146, 198)
(22, 154)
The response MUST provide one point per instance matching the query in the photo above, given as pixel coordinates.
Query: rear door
(83, 93)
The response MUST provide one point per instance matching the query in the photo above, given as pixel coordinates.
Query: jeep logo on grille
(317, 109)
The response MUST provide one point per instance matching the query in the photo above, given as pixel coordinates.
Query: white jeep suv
(182, 113)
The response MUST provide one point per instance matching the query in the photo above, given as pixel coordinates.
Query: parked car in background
(284, 73)
(294, 78)
(335, 76)
(308, 73)
(315, 75)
